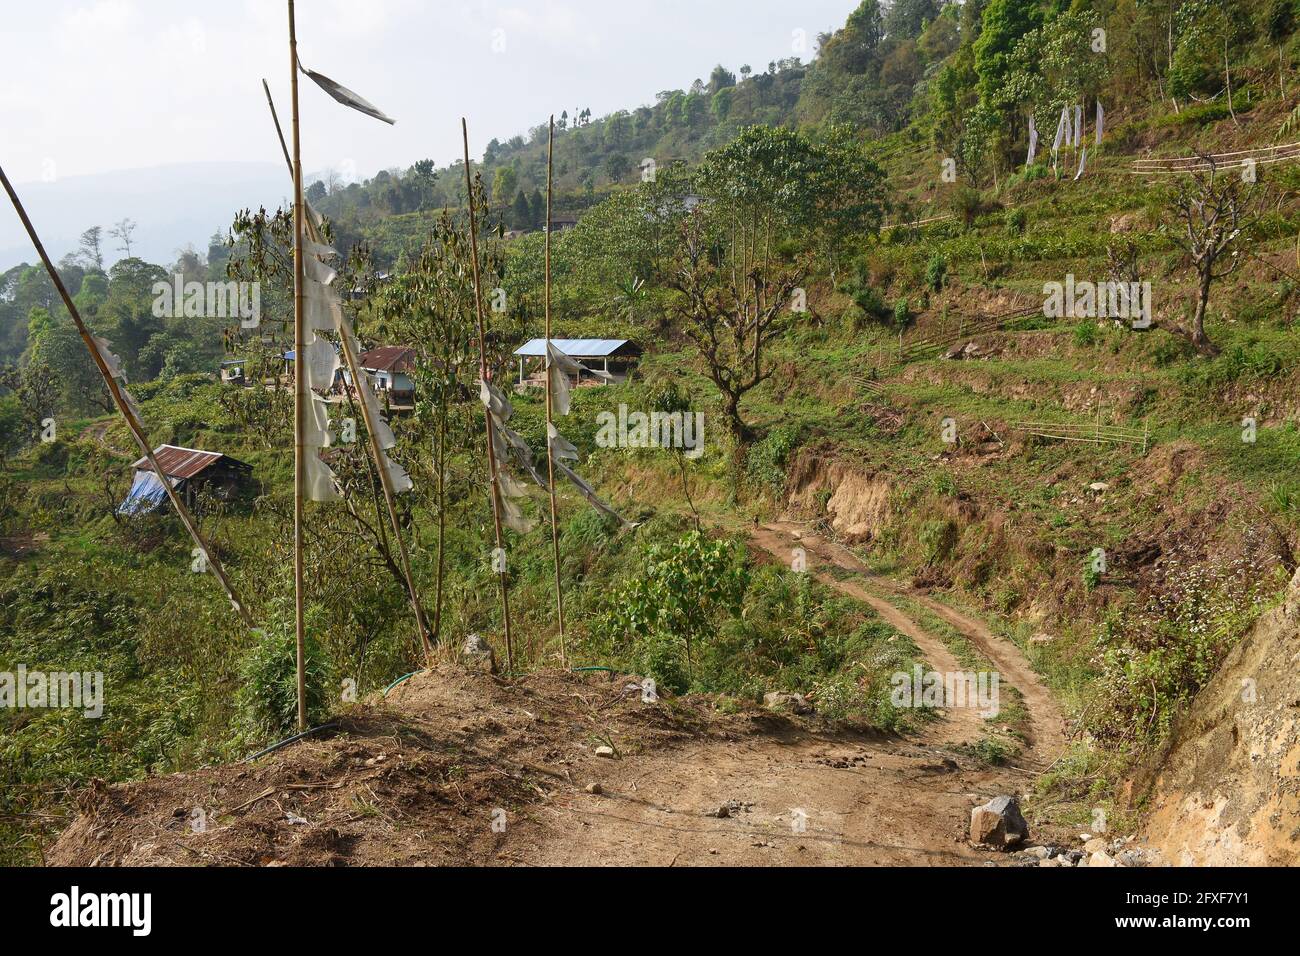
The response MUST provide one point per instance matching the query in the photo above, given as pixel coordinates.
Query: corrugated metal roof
(181, 463)
(388, 358)
(575, 348)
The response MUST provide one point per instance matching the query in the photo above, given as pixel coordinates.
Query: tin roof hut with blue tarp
(190, 471)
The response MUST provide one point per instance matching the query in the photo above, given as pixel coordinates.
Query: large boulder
(477, 655)
(998, 823)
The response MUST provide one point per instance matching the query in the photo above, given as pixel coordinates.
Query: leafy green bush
(670, 607)
(936, 271)
(902, 313)
(268, 694)
(765, 463)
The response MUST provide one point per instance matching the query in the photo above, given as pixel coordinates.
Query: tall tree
(92, 251)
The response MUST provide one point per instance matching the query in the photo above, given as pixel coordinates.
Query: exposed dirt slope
(411, 780)
(1228, 791)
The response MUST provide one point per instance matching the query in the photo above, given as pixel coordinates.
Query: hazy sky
(89, 86)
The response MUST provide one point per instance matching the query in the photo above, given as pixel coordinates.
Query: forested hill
(872, 73)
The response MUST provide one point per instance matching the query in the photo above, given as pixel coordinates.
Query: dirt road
(790, 796)
(1047, 736)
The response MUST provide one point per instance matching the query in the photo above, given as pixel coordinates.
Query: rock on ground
(794, 703)
(998, 823)
(477, 655)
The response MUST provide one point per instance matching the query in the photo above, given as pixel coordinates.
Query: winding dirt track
(802, 797)
(1047, 735)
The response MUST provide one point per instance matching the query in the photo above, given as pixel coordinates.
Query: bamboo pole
(494, 489)
(133, 424)
(300, 396)
(550, 454)
(376, 453)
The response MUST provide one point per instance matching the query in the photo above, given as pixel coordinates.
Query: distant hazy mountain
(173, 206)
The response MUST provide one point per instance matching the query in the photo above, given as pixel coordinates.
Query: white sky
(91, 86)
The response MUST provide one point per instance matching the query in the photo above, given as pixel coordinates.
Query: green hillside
(857, 308)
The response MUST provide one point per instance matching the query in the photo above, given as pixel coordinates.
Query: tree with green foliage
(505, 185)
(733, 285)
(907, 18)
(57, 345)
(1003, 23)
(521, 215)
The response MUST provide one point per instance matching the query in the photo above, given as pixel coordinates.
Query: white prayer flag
(320, 480)
(345, 95)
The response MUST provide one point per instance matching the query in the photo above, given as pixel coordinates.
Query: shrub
(766, 460)
(902, 313)
(670, 607)
(936, 271)
(268, 695)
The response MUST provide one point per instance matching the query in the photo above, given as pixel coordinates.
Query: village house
(388, 368)
(563, 223)
(191, 471)
(232, 371)
(617, 357)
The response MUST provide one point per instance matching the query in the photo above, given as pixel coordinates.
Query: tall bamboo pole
(300, 396)
(133, 423)
(376, 453)
(493, 487)
(550, 454)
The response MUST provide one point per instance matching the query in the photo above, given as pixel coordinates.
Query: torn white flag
(346, 96)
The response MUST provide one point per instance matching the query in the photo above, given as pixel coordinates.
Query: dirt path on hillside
(797, 796)
(98, 433)
(1047, 726)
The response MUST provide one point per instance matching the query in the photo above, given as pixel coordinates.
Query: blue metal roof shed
(580, 348)
(622, 352)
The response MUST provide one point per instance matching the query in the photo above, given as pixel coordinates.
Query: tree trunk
(1199, 338)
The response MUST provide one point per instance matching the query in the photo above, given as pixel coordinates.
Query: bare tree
(122, 232)
(732, 303)
(1212, 210)
(92, 252)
